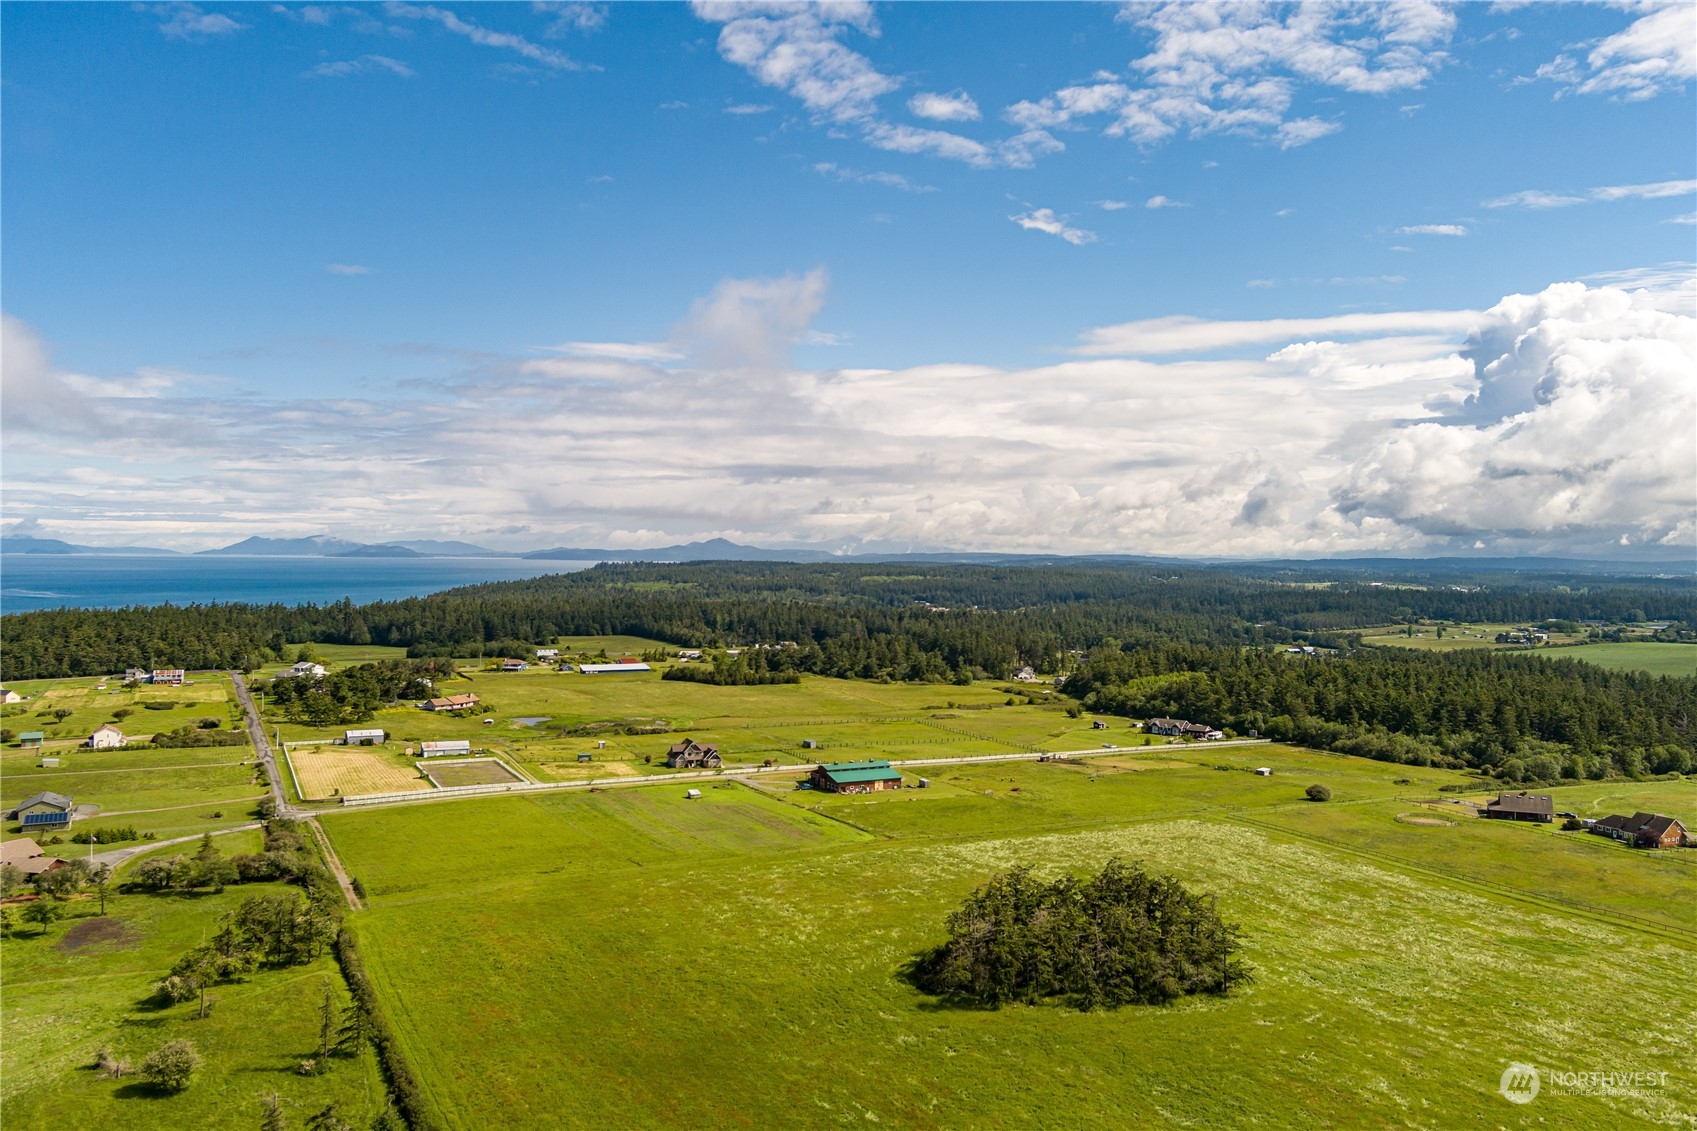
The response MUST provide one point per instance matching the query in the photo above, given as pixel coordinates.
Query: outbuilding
(1264, 771)
(45, 810)
(459, 747)
(374, 736)
(1522, 806)
(604, 669)
(107, 737)
(855, 777)
(692, 794)
(450, 703)
(31, 739)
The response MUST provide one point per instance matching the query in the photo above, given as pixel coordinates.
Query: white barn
(460, 747)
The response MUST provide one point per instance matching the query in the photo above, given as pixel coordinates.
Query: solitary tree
(272, 1119)
(11, 879)
(1319, 793)
(173, 1065)
(101, 880)
(326, 1024)
(42, 911)
(388, 1120)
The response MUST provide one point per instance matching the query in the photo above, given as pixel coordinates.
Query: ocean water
(48, 581)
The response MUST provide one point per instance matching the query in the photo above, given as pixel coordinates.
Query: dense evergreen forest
(1195, 642)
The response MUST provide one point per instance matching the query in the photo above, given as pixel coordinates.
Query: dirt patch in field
(1427, 820)
(113, 934)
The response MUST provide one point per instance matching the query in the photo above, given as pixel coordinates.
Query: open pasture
(726, 923)
(1543, 862)
(1637, 656)
(476, 771)
(848, 719)
(329, 771)
(64, 1001)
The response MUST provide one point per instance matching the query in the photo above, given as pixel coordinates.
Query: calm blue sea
(47, 581)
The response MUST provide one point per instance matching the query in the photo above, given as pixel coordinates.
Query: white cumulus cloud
(1045, 220)
(1655, 54)
(956, 106)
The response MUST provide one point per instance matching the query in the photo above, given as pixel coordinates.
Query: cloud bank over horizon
(1556, 422)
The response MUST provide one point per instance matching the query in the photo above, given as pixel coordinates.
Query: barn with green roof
(855, 777)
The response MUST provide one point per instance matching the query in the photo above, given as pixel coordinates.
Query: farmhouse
(45, 810)
(451, 703)
(621, 666)
(1522, 806)
(547, 653)
(1026, 674)
(306, 669)
(107, 737)
(373, 735)
(7, 695)
(690, 754)
(171, 676)
(136, 675)
(855, 777)
(514, 665)
(26, 856)
(1165, 726)
(1645, 830)
(31, 739)
(689, 654)
(460, 747)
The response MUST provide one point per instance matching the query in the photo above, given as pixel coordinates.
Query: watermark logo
(1520, 1083)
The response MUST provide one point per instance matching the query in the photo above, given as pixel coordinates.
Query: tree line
(853, 620)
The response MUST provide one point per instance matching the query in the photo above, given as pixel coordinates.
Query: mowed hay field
(636, 959)
(329, 771)
(1639, 656)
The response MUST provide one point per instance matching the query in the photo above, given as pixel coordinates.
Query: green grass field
(207, 696)
(1639, 656)
(600, 940)
(63, 1002)
(849, 719)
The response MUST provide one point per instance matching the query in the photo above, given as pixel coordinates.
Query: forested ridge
(1138, 640)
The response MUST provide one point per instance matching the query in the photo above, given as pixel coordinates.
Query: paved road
(116, 856)
(262, 747)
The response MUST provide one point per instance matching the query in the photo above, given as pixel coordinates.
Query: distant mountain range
(720, 549)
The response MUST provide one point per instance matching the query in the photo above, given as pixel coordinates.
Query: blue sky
(929, 241)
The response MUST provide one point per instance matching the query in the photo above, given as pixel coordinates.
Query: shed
(585, 757)
(356, 737)
(1264, 771)
(810, 744)
(460, 747)
(924, 783)
(622, 666)
(692, 794)
(30, 739)
(49, 762)
(44, 810)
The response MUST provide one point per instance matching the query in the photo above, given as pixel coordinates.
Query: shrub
(159, 705)
(173, 1065)
(1572, 823)
(206, 723)
(1318, 793)
(109, 1065)
(108, 835)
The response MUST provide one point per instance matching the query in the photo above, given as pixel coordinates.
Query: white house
(1026, 674)
(136, 675)
(7, 695)
(513, 665)
(304, 668)
(107, 737)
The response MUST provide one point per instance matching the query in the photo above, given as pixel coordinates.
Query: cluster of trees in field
(762, 665)
(53, 889)
(284, 856)
(355, 694)
(1122, 937)
(855, 620)
(1523, 717)
(199, 735)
